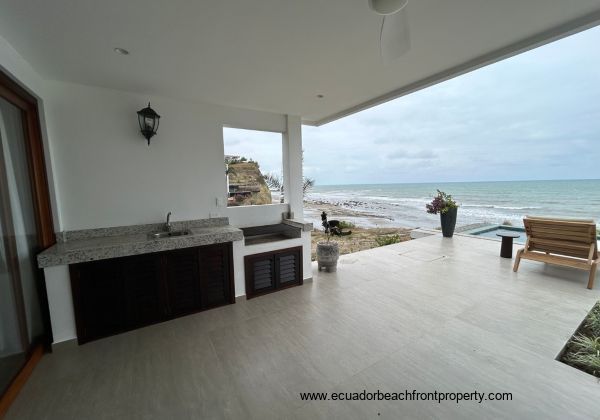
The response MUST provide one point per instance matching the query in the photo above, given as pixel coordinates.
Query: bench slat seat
(565, 242)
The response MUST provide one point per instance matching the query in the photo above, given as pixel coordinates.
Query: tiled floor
(429, 314)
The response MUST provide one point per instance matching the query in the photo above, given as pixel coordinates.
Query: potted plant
(328, 252)
(447, 208)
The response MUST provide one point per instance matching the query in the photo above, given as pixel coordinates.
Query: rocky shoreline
(372, 226)
(362, 214)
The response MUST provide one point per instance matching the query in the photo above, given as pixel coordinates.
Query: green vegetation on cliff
(247, 184)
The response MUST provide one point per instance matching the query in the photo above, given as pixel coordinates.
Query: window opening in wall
(253, 167)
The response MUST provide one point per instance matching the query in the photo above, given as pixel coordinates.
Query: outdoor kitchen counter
(105, 247)
(305, 226)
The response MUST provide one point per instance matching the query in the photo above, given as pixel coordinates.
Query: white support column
(292, 182)
(292, 166)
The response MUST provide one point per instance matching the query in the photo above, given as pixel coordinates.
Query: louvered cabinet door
(183, 282)
(288, 268)
(270, 271)
(215, 275)
(260, 274)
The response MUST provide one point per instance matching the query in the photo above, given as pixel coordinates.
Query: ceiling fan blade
(394, 39)
(387, 7)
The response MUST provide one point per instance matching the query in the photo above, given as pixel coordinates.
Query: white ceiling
(275, 55)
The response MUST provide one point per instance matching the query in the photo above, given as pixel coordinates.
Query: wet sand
(345, 211)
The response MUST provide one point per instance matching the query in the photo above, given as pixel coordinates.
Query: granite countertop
(104, 247)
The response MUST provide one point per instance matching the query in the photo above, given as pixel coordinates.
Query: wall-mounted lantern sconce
(148, 119)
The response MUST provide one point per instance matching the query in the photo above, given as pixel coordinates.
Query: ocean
(403, 205)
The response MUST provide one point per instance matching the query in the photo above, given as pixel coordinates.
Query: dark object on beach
(507, 242)
(333, 227)
(329, 252)
(445, 205)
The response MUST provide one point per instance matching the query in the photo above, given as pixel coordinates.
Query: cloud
(533, 116)
(262, 146)
(418, 155)
(230, 142)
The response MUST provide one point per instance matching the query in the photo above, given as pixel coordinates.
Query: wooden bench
(566, 242)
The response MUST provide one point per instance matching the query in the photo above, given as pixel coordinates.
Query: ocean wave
(394, 200)
(491, 206)
(369, 201)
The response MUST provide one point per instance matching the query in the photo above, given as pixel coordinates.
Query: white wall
(102, 173)
(245, 216)
(13, 64)
(107, 174)
(62, 316)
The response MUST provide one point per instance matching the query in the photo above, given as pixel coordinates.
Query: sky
(262, 146)
(533, 116)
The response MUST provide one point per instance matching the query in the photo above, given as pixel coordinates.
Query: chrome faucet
(168, 226)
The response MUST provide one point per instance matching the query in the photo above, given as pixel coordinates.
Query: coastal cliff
(247, 185)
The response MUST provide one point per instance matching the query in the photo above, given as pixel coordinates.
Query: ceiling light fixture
(121, 51)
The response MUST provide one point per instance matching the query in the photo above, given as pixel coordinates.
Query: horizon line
(459, 182)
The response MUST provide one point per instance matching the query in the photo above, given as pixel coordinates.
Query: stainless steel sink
(173, 233)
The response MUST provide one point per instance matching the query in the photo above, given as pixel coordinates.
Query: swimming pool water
(491, 231)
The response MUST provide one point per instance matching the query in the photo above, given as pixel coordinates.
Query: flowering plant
(441, 203)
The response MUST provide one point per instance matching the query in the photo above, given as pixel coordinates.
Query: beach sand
(368, 226)
(359, 240)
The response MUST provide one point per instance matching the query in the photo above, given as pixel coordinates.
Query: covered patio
(431, 314)
(91, 251)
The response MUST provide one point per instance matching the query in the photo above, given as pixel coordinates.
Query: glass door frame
(15, 94)
(28, 104)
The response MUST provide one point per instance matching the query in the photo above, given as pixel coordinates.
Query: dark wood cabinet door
(183, 282)
(121, 294)
(288, 266)
(273, 270)
(98, 299)
(215, 275)
(260, 274)
(142, 287)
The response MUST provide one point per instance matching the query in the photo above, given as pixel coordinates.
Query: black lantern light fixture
(148, 119)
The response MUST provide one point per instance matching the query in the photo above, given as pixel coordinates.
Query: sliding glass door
(12, 349)
(20, 315)
(25, 229)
